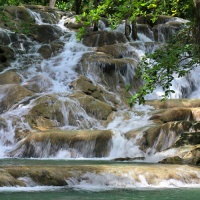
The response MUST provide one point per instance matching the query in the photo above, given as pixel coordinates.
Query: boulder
(45, 33)
(38, 84)
(11, 94)
(94, 108)
(161, 137)
(5, 36)
(6, 179)
(20, 12)
(10, 77)
(174, 114)
(109, 71)
(102, 38)
(86, 143)
(51, 111)
(47, 14)
(45, 51)
(6, 56)
(119, 50)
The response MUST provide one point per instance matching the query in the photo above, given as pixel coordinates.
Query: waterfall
(51, 82)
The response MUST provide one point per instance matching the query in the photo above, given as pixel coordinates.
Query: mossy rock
(10, 77)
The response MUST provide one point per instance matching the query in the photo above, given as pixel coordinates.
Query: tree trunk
(52, 3)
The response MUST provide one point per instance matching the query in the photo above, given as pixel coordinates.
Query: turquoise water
(122, 194)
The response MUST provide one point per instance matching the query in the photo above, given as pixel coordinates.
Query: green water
(122, 194)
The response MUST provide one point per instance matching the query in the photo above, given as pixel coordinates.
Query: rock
(86, 86)
(6, 56)
(161, 137)
(172, 160)
(11, 94)
(20, 12)
(87, 143)
(54, 111)
(129, 159)
(102, 38)
(45, 51)
(45, 33)
(94, 107)
(46, 113)
(162, 19)
(119, 50)
(5, 36)
(110, 72)
(153, 174)
(176, 114)
(38, 84)
(6, 179)
(10, 77)
(173, 103)
(47, 14)
(196, 155)
(188, 138)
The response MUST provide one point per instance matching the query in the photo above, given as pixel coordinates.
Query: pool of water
(122, 194)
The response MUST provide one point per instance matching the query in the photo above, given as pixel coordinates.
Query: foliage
(178, 56)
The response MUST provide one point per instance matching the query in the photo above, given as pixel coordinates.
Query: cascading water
(51, 82)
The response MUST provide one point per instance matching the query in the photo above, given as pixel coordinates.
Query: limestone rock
(188, 138)
(6, 56)
(12, 94)
(163, 136)
(173, 103)
(172, 160)
(87, 143)
(45, 33)
(102, 38)
(109, 71)
(94, 107)
(38, 84)
(176, 114)
(10, 77)
(6, 179)
(119, 50)
(20, 12)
